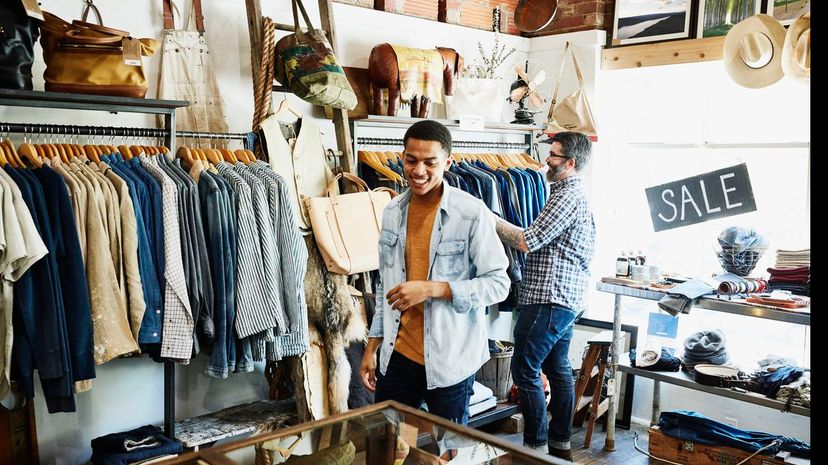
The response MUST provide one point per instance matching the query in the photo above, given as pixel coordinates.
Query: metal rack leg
(169, 399)
(609, 444)
(656, 402)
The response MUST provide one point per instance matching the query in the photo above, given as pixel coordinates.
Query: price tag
(610, 387)
(132, 51)
(33, 9)
(472, 123)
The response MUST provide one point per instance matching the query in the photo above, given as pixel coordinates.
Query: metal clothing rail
(466, 144)
(74, 130)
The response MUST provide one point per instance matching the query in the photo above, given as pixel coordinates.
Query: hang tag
(610, 387)
(132, 51)
(33, 9)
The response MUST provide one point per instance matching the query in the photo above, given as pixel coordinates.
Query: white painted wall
(128, 393)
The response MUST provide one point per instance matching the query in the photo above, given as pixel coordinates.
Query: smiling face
(560, 165)
(424, 163)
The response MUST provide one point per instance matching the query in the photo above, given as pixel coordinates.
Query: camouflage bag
(305, 63)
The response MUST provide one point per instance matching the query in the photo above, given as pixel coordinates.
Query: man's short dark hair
(429, 129)
(575, 145)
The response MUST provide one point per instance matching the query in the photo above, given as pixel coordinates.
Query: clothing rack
(74, 130)
(466, 144)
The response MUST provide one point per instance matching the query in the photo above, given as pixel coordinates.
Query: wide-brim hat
(796, 51)
(753, 51)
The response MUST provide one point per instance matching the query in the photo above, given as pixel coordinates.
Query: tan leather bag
(572, 113)
(88, 58)
(347, 226)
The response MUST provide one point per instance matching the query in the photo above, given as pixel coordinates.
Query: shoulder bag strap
(558, 82)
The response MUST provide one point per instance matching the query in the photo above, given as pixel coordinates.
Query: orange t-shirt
(421, 216)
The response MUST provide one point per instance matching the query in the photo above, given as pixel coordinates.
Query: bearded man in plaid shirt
(552, 294)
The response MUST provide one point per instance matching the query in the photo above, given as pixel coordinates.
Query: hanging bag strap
(297, 29)
(560, 76)
(91, 6)
(195, 12)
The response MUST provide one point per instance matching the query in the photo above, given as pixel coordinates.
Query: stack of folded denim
(798, 392)
(693, 426)
(767, 381)
(704, 347)
(133, 446)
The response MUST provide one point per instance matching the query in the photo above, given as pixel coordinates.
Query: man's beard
(553, 172)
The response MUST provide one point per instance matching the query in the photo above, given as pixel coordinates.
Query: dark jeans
(542, 336)
(693, 426)
(405, 382)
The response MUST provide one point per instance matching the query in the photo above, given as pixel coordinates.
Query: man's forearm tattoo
(511, 235)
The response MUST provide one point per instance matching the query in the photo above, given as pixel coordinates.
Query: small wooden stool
(591, 380)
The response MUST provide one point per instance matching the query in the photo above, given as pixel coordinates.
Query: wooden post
(254, 29)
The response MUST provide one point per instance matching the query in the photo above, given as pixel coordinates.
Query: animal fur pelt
(331, 310)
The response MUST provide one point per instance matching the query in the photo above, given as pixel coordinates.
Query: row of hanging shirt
(513, 186)
(141, 253)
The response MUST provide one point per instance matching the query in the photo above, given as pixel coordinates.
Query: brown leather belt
(719, 376)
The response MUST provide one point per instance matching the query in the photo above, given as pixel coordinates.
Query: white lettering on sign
(472, 123)
(671, 204)
(726, 190)
(685, 198)
(707, 202)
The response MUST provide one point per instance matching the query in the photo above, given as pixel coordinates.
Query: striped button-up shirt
(177, 331)
(561, 242)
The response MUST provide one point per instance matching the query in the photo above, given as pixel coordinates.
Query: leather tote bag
(187, 73)
(347, 226)
(88, 58)
(573, 113)
(18, 34)
(305, 63)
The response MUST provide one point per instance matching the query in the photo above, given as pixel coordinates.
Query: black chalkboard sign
(718, 194)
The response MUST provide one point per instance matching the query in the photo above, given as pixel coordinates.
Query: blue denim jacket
(466, 252)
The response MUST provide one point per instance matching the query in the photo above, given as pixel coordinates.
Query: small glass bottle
(622, 266)
(640, 259)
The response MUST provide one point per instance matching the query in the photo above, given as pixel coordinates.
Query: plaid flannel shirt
(561, 242)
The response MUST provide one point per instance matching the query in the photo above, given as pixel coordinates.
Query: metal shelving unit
(712, 303)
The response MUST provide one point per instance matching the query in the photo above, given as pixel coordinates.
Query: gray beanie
(705, 347)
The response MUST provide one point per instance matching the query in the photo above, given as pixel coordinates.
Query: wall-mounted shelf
(663, 53)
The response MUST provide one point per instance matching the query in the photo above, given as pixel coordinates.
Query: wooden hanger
(185, 155)
(285, 105)
(241, 155)
(3, 150)
(125, 152)
(30, 153)
(250, 155)
(213, 156)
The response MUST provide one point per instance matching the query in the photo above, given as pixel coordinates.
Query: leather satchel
(347, 226)
(18, 34)
(573, 113)
(88, 58)
(305, 62)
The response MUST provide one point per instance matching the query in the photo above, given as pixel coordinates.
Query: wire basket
(739, 250)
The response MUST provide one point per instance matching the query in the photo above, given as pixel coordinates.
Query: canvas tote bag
(187, 73)
(347, 226)
(477, 96)
(573, 113)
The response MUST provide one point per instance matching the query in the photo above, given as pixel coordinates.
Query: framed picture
(639, 21)
(716, 17)
(585, 329)
(786, 11)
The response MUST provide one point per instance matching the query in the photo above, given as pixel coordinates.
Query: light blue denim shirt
(466, 252)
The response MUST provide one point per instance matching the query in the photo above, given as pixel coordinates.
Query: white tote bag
(187, 74)
(573, 113)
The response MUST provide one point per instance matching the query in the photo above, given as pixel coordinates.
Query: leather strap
(297, 29)
(719, 376)
(91, 6)
(196, 11)
(362, 186)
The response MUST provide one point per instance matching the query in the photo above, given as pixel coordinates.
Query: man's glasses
(553, 154)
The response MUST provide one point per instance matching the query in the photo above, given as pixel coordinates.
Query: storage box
(693, 453)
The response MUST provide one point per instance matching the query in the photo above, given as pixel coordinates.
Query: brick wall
(572, 15)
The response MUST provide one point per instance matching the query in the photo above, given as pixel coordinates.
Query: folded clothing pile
(797, 392)
(133, 446)
(667, 361)
(704, 347)
(795, 279)
(482, 399)
(793, 258)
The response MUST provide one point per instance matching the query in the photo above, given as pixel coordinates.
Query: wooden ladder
(340, 116)
(591, 380)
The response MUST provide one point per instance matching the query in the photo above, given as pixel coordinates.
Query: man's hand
(368, 367)
(410, 293)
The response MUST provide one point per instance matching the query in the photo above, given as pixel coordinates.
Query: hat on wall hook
(753, 51)
(796, 52)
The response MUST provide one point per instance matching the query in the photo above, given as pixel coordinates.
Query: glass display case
(387, 433)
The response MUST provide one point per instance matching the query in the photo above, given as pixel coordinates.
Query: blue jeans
(542, 336)
(405, 382)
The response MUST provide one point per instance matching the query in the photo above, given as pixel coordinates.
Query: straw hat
(796, 52)
(753, 51)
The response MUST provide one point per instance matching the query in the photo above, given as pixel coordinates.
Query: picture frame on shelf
(786, 11)
(716, 17)
(585, 329)
(640, 21)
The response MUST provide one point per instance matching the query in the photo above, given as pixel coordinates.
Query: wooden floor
(625, 453)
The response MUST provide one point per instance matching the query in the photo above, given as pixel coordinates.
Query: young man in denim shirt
(560, 244)
(441, 264)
